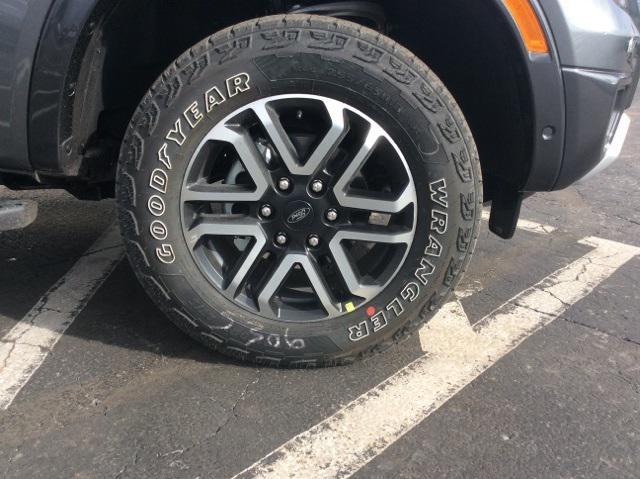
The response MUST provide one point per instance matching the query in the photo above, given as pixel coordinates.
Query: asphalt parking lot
(534, 371)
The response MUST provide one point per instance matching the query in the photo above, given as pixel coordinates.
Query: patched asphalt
(125, 394)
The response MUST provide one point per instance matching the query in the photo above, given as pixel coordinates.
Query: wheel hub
(298, 215)
(319, 213)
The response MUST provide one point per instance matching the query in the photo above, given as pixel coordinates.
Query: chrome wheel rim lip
(252, 227)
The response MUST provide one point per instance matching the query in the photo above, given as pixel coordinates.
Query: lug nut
(317, 186)
(331, 215)
(281, 239)
(284, 184)
(313, 241)
(266, 211)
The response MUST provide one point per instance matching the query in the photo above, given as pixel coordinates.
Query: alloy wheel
(299, 208)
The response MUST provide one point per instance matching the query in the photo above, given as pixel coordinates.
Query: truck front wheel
(299, 191)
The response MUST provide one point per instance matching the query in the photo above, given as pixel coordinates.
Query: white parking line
(26, 346)
(456, 354)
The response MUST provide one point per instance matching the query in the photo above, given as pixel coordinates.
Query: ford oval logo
(298, 215)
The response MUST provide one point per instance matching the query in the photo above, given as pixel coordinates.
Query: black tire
(300, 54)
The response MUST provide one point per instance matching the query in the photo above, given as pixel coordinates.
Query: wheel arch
(97, 58)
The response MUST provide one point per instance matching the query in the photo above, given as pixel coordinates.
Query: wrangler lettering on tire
(299, 191)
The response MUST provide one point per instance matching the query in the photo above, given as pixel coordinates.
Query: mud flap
(505, 212)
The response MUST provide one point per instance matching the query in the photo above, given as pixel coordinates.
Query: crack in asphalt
(8, 356)
(553, 295)
(531, 308)
(601, 331)
(231, 414)
(136, 457)
(240, 399)
(18, 339)
(584, 269)
(629, 220)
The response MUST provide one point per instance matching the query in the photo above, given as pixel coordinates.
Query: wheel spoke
(252, 161)
(320, 286)
(224, 225)
(348, 269)
(331, 141)
(271, 122)
(314, 274)
(369, 203)
(238, 276)
(202, 192)
(361, 157)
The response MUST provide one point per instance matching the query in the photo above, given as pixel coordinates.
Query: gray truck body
(579, 91)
